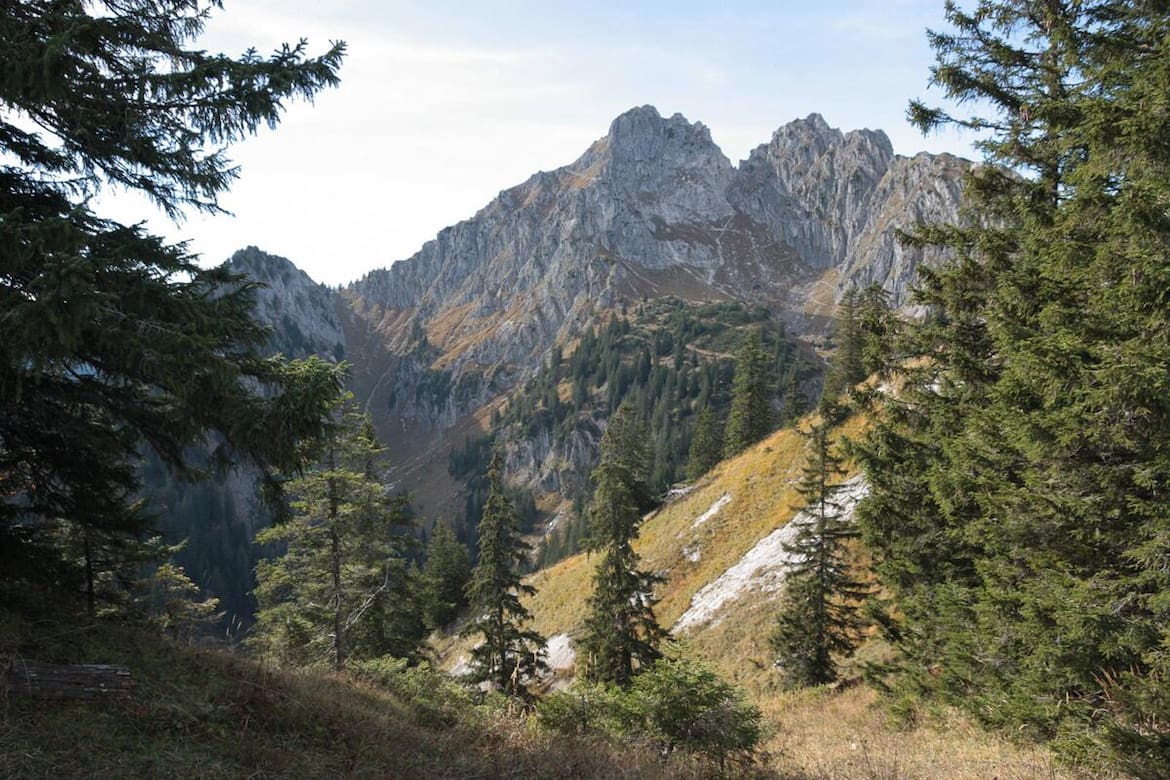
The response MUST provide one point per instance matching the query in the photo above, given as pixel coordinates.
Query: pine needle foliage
(819, 620)
(706, 445)
(1019, 511)
(509, 655)
(751, 416)
(340, 585)
(113, 340)
(621, 634)
(445, 574)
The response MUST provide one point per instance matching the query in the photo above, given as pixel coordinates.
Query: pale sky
(444, 104)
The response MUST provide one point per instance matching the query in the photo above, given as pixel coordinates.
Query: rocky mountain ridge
(653, 209)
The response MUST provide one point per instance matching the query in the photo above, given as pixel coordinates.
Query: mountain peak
(265, 267)
(813, 120)
(643, 134)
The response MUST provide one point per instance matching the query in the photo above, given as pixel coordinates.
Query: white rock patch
(555, 522)
(720, 502)
(763, 567)
(561, 655)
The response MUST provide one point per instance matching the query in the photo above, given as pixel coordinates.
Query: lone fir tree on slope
(750, 418)
(621, 633)
(706, 445)
(342, 578)
(509, 655)
(818, 611)
(445, 575)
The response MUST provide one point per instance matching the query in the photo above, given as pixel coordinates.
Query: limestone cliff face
(652, 208)
(655, 208)
(545, 256)
(301, 312)
(839, 199)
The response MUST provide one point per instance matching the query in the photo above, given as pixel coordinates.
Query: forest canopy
(113, 340)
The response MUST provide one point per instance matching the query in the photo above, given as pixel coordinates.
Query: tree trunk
(335, 561)
(338, 622)
(90, 599)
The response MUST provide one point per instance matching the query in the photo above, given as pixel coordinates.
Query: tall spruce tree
(819, 619)
(509, 655)
(622, 635)
(750, 418)
(706, 445)
(111, 339)
(795, 403)
(846, 367)
(864, 330)
(445, 574)
(1019, 511)
(342, 574)
(877, 330)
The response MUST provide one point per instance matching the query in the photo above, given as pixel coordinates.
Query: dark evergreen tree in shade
(846, 367)
(111, 339)
(794, 403)
(819, 620)
(706, 445)
(621, 633)
(342, 576)
(445, 574)
(1018, 514)
(864, 332)
(750, 418)
(509, 655)
(877, 330)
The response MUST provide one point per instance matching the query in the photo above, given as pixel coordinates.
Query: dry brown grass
(816, 735)
(211, 714)
(827, 735)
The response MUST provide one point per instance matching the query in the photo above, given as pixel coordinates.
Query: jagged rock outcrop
(838, 199)
(301, 312)
(655, 208)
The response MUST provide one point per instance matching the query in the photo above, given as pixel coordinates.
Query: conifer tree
(750, 418)
(864, 332)
(175, 603)
(794, 403)
(509, 654)
(846, 368)
(114, 341)
(444, 578)
(621, 633)
(706, 445)
(342, 564)
(1018, 506)
(877, 329)
(819, 620)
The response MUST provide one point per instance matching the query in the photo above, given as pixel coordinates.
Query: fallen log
(67, 681)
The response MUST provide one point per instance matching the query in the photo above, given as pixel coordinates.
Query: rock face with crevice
(655, 208)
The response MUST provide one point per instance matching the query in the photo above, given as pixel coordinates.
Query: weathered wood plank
(67, 681)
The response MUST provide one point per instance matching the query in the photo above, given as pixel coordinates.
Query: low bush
(435, 699)
(676, 703)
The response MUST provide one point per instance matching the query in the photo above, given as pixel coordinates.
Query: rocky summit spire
(654, 208)
(642, 134)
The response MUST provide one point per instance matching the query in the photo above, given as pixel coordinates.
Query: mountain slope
(723, 529)
(654, 208)
(441, 345)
